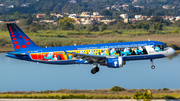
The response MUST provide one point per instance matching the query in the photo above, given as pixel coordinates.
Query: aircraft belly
(65, 62)
(143, 57)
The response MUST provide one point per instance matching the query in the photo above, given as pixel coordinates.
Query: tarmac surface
(79, 100)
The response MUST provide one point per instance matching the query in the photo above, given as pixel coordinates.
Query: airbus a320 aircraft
(113, 55)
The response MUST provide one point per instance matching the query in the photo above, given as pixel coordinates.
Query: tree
(120, 25)
(106, 12)
(92, 28)
(129, 26)
(157, 26)
(29, 16)
(28, 21)
(104, 27)
(3, 27)
(47, 12)
(157, 19)
(115, 15)
(142, 25)
(16, 15)
(67, 23)
(33, 29)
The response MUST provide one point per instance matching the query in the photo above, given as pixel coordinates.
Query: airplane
(112, 55)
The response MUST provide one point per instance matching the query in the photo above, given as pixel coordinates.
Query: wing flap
(88, 57)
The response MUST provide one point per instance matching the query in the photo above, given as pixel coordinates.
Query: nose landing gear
(153, 67)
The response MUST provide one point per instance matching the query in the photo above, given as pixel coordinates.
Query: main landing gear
(153, 67)
(95, 68)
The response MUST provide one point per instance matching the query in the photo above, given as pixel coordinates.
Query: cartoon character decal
(104, 52)
(126, 52)
(70, 56)
(57, 56)
(139, 51)
(157, 49)
(113, 52)
(49, 56)
(91, 52)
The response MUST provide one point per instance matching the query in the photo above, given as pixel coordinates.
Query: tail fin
(19, 39)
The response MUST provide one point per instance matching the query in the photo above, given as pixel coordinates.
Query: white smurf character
(81, 52)
(113, 52)
(103, 53)
(126, 51)
(49, 56)
(140, 50)
(91, 52)
(55, 58)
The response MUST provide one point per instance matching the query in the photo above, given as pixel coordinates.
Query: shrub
(92, 28)
(137, 96)
(104, 27)
(147, 96)
(33, 29)
(165, 88)
(174, 46)
(116, 88)
(130, 26)
(157, 26)
(176, 31)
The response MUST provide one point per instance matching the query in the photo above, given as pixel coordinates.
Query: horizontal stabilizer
(17, 53)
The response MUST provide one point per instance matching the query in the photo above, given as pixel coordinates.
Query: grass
(64, 96)
(54, 41)
(52, 38)
(90, 94)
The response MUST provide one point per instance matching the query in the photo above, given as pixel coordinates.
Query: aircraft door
(39, 55)
(151, 47)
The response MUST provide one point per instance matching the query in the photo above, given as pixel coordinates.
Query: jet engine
(115, 62)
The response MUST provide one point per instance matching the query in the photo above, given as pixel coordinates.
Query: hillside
(66, 6)
(16, 2)
(78, 6)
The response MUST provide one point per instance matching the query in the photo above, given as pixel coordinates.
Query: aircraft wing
(89, 58)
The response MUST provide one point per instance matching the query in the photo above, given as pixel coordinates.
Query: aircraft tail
(19, 39)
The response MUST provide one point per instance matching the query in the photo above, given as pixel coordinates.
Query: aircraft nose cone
(170, 51)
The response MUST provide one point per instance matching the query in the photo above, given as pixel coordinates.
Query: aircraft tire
(93, 71)
(153, 67)
(97, 69)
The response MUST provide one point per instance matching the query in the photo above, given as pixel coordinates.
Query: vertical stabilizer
(19, 39)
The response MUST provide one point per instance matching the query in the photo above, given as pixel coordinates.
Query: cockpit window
(159, 48)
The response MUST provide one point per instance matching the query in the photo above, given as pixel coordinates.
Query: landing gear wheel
(93, 71)
(97, 69)
(153, 67)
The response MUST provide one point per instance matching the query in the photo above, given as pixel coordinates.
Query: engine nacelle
(115, 62)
